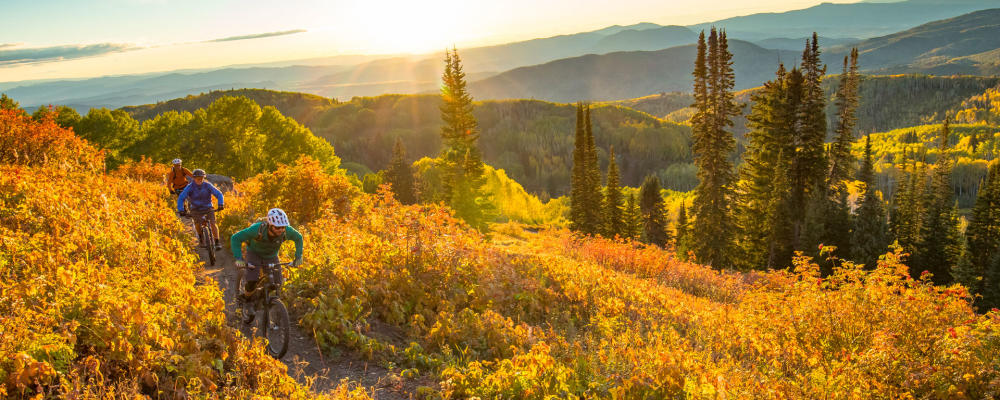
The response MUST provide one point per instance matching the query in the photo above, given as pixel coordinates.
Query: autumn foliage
(551, 314)
(25, 141)
(101, 295)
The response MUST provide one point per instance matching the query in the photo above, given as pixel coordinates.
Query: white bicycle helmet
(177, 161)
(277, 217)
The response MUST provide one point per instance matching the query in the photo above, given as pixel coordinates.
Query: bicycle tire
(274, 326)
(209, 244)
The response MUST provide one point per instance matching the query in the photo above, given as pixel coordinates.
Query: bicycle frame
(266, 283)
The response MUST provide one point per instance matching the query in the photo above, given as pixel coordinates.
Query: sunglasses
(277, 228)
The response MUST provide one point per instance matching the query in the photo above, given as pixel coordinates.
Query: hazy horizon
(69, 40)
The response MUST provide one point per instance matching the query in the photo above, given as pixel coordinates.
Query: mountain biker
(199, 195)
(264, 239)
(178, 177)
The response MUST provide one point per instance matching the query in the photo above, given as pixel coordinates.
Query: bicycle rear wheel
(274, 327)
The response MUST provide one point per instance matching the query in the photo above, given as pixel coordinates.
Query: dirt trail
(304, 360)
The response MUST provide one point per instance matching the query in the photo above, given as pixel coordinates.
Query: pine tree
(682, 238)
(869, 239)
(400, 175)
(653, 213)
(940, 241)
(846, 100)
(809, 164)
(759, 202)
(578, 180)
(991, 287)
(592, 212)
(461, 160)
(982, 235)
(632, 217)
(712, 145)
(613, 222)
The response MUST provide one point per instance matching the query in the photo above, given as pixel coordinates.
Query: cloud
(58, 53)
(4, 45)
(257, 35)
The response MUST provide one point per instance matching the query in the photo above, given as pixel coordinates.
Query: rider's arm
(236, 241)
(216, 192)
(295, 236)
(180, 199)
(187, 173)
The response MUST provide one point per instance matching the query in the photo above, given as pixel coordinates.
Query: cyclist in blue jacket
(199, 195)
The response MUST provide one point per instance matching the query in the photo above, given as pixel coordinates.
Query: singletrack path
(304, 360)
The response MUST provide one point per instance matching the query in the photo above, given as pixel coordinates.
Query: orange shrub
(25, 141)
(303, 190)
(144, 170)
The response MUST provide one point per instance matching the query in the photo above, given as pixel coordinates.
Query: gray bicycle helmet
(198, 172)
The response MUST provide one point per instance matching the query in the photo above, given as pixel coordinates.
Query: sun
(408, 26)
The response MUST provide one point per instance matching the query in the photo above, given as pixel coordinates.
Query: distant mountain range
(625, 75)
(617, 62)
(966, 44)
(851, 20)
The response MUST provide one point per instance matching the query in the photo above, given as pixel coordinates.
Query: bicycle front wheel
(274, 327)
(209, 244)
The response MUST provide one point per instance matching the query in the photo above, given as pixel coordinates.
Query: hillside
(541, 314)
(531, 140)
(300, 106)
(897, 101)
(860, 19)
(966, 44)
(624, 75)
(972, 146)
(645, 39)
(453, 313)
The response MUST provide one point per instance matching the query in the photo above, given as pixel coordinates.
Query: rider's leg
(197, 227)
(215, 229)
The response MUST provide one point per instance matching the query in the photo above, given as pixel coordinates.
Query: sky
(55, 39)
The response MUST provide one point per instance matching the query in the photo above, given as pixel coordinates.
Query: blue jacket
(200, 196)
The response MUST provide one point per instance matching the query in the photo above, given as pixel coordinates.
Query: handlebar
(271, 265)
(189, 212)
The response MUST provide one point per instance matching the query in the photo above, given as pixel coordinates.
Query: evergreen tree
(461, 160)
(712, 145)
(682, 238)
(654, 227)
(869, 239)
(808, 165)
(906, 223)
(592, 213)
(846, 100)
(982, 235)
(632, 217)
(991, 286)
(578, 179)
(613, 221)
(940, 241)
(759, 203)
(400, 175)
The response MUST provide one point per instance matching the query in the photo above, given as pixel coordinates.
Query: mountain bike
(273, 323)
(205, 233)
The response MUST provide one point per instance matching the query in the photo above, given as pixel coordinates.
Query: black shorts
(256, 263)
